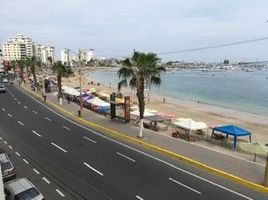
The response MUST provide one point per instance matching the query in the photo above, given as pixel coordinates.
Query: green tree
(61, 70)
(138, 69)
(21, 63)
(34, 64)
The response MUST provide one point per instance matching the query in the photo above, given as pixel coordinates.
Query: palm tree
(21, 63)
(140, 68)
(34, 64)
(61, 70)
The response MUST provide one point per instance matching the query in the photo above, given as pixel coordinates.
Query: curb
(132, 140)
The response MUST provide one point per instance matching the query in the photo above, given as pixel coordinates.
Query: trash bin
(79, 113)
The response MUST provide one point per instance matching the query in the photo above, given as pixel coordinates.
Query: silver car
(8, 169)
(21, 189)
(2, 88)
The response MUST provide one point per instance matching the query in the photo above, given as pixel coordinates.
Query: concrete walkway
(234, 165)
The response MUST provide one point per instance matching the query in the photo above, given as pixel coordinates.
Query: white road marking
(93, 169)
(26, 161)
(86, 138)
(48, 119)
(20, 123)
(177, 182)
(140, 198)
(59, 147)
(34, 112)
(9, 115)
(124, 156)
(65, 127)
(15, 99)
(17, 154)
(5, 142)
(10, 146)
(1, 138)
(143, 153)
(36, 133)
(60, 193)
(18, 102)
(3, 109)
(25, 107)
(46, 180)
(36, 171)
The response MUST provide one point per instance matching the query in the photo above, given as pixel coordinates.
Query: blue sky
(116, 27)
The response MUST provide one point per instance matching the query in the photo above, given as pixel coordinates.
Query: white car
(21, 189)
(2, 88)
(5, 80)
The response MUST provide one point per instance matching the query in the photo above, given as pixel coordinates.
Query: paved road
(84, 164)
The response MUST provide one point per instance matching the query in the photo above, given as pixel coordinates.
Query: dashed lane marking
(26, 161)
(46, 180)
(3, 109)
(18, 102)
(36, 171)
(179, 183)
(98, 172)
(9, 115)
(5, 142)
(20, 123)
(65, 127)
(124, 156)
(9, 146)
(88, 139)
(34, 132)
(48, 119)
(34, 112)
(60, 148)
(140, 198)
(25, 107)
(60, 193)
(17, 154)
(1, 138)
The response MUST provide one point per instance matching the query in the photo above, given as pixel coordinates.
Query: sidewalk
(239, 167)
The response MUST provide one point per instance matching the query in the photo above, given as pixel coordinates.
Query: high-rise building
(37, 50)
(47, 51)
(18, 47)
(65, 56)
(21, 47)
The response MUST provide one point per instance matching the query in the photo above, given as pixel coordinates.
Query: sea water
(238, 90)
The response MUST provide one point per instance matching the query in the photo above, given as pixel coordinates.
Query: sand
(212, 115)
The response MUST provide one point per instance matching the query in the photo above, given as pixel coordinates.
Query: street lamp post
(80, 83)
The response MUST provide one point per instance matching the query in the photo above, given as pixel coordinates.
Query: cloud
(116, 27)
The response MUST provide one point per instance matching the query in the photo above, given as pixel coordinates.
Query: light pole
(80, 83)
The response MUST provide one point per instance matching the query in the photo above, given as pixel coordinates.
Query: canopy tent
(101, 105)
(233, 130)
(190, 124)
(86, 97)
(137, 113)
(70, 91)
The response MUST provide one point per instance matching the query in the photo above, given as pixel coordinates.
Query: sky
(117, 27)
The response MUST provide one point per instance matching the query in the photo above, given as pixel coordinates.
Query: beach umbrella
(254, 148)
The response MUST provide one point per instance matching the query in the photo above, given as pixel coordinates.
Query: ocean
(237, 90)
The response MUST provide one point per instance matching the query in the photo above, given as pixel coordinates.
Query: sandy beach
(212, 115)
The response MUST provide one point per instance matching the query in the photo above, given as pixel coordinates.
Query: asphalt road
(84, 164)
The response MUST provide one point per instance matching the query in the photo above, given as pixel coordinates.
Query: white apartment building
(21, 47)
(46, 52)
(65, 56)
(18, 47)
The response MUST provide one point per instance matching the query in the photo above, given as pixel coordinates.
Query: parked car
(5, 80)
(8, 169)
(21, 189)
(2, 88)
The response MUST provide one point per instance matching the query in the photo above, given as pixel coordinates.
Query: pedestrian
(68, 98)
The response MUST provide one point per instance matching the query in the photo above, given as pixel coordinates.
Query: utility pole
(80, 82)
